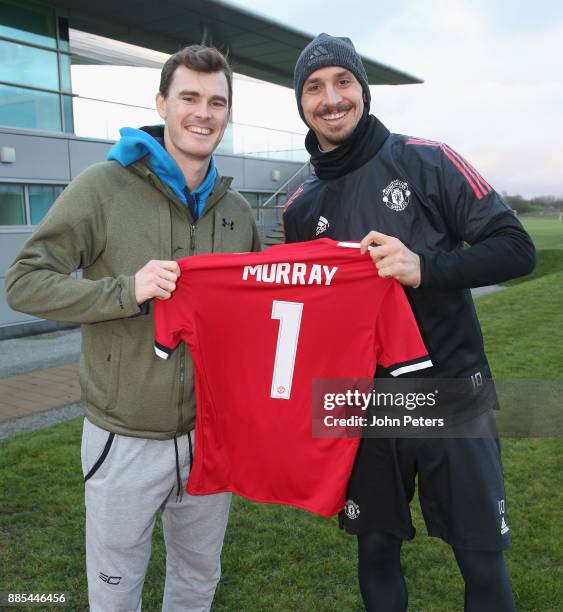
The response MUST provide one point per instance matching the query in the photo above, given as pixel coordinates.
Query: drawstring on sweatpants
(179, 488)
(191, 450)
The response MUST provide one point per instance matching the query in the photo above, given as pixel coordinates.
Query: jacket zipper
(183, 355)
(192, 238)
(193, 226)
(183, 347)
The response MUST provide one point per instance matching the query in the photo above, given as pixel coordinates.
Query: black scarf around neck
(364, 142)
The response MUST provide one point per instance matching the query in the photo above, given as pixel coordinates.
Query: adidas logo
(320, 50)
(322, 226)
(503, 526)
(318, 53)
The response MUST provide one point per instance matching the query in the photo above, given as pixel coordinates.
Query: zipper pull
(192, 239)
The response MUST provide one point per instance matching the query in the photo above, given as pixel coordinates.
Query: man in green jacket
(124, 222)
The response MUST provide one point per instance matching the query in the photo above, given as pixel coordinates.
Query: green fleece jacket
(109, 222)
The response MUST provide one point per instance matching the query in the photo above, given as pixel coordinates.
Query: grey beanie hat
(326, 50)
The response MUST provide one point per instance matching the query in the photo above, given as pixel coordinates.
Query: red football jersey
(260, 328)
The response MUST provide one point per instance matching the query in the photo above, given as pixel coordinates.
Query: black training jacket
(429, 197)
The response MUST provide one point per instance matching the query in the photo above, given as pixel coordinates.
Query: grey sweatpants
(135, 480)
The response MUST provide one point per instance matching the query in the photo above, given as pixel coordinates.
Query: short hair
(200, 59)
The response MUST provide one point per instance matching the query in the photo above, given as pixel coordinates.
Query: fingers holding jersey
(385, 250)
(156, 279)
(374, 239)
(392, 258)
(403, 266)
(404, 272)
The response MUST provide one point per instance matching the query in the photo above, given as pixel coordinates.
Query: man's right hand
(157, 279)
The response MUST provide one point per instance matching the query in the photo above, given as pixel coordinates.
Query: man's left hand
(392, 258)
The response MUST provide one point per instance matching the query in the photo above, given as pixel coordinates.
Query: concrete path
(22, 355)
(39, 381)
(39, 420)
(479, 292)
(33, 392)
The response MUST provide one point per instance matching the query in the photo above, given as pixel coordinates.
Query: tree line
(538, 204)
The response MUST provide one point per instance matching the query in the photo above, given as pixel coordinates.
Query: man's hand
(157, 279)
(392, 258)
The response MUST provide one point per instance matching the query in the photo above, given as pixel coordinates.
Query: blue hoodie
(136, 144)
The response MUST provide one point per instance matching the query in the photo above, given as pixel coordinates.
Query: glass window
(64, 61)
(29, 109)
(264, 197)
(24, 65)
(252, 198)
(41, 198)
(28, 22)
(63, 34)
(68, 115)
(226, 146)
(11, 205)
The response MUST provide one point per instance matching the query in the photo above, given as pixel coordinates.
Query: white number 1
(289, 316)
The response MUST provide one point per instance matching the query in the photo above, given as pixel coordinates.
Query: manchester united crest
(396, 195)
(351, 509)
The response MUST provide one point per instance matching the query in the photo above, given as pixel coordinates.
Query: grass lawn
(282, 559)
(275, 558)
(547, 232)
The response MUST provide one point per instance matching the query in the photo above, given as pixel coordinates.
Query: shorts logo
(501, 509)
(396, 195)
(351, 509)
(322, 226)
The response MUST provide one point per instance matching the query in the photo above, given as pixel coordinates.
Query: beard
(340, 139)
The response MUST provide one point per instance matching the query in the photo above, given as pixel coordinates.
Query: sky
(492, 70)
(493, 73)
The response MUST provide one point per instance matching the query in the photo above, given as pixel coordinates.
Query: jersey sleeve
(476, 214)
(399, 345)
(166, 328)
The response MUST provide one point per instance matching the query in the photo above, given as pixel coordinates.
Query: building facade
(41, 150)
(40, 153)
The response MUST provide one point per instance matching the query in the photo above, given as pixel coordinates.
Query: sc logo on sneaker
(109, 579)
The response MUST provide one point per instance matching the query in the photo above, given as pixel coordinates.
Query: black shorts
(460, 487)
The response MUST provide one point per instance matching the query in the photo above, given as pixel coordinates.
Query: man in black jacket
(413, 203)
